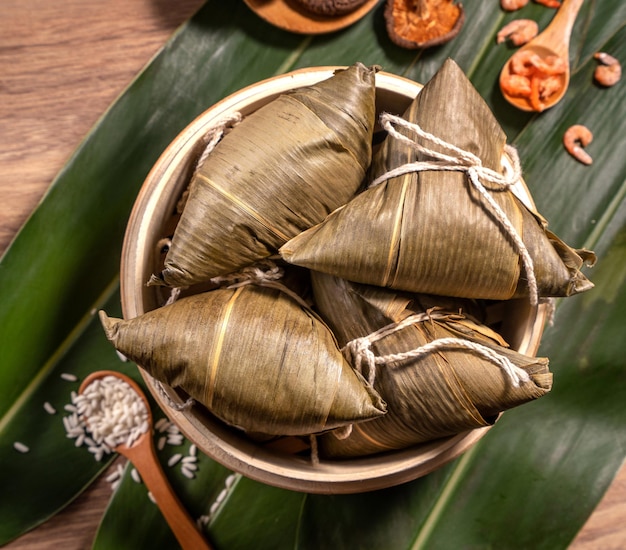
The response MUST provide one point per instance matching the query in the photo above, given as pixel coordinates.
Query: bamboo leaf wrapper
(283, 169)
(253, 356)
(441, 394)
(431, 231)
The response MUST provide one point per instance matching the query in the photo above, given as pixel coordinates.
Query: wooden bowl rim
(218, 441)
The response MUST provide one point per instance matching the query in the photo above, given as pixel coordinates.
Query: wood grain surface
(61, 65)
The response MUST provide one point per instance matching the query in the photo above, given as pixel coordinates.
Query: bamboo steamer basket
(151, 219)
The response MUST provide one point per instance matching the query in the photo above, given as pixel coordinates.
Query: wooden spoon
(554, 40)
(288, 16)
(143, 456)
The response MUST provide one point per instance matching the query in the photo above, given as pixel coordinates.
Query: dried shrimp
(518, 31)
(575, 138)
(549, 3)
(543, 77)
(512, 5)
(609, 72)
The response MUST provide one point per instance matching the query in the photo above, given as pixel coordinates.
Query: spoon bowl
(142, 455)
(553, 41)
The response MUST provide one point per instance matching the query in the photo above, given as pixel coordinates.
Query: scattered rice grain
(161, 424)
(151, 497)
(113, 476)
(203, 520)
(49, 408)
(230, 480)
(161, 443)
(175, 439)
(135, 475)
(174, 459)
(20, 447)
(187, 473)
(193, 450)
(69, 377)
(223, 494)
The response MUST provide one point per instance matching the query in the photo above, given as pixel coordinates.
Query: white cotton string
(216, 133)
(516, 374)
(266, 274)
(163, 245)
(360, 351)
(169, 401)
(456, 159)
(362, 355)
(257, 273)
(315, 457)
(174, 295)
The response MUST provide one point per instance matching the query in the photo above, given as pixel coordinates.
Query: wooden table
(61, 65)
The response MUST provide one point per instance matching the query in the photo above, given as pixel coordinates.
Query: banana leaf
(532, 481)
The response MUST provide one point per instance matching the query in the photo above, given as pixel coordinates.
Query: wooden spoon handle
(557, 33)
(149, 468)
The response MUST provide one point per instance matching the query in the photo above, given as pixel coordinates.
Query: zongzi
(281, 170)
(254, 356)
(440, 371)
(440, 217)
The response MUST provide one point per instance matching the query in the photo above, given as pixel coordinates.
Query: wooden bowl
(151, 219)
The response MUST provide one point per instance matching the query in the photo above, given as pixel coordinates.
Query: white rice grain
(113, 476)
(69, 377)
(20, 447)
(108, 413)
(230, 480)
(187, 473)
(174, 459)
(175, 439)
(161, 424)
(49, 408)
(203, 520)
(135, 475)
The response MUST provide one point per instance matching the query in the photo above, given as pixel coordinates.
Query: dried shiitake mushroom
(417, 24)
(330, 7)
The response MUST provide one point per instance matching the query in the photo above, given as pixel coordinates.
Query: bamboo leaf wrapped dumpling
(430, 229)
(441, 393)
(253, 356)
(281, 170)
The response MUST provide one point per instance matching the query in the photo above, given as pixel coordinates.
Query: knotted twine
(363, 357)
(264, 273)
(216, 133)
(458, 160)
(210, 139)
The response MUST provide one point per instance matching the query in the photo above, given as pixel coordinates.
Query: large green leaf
(531, 482)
